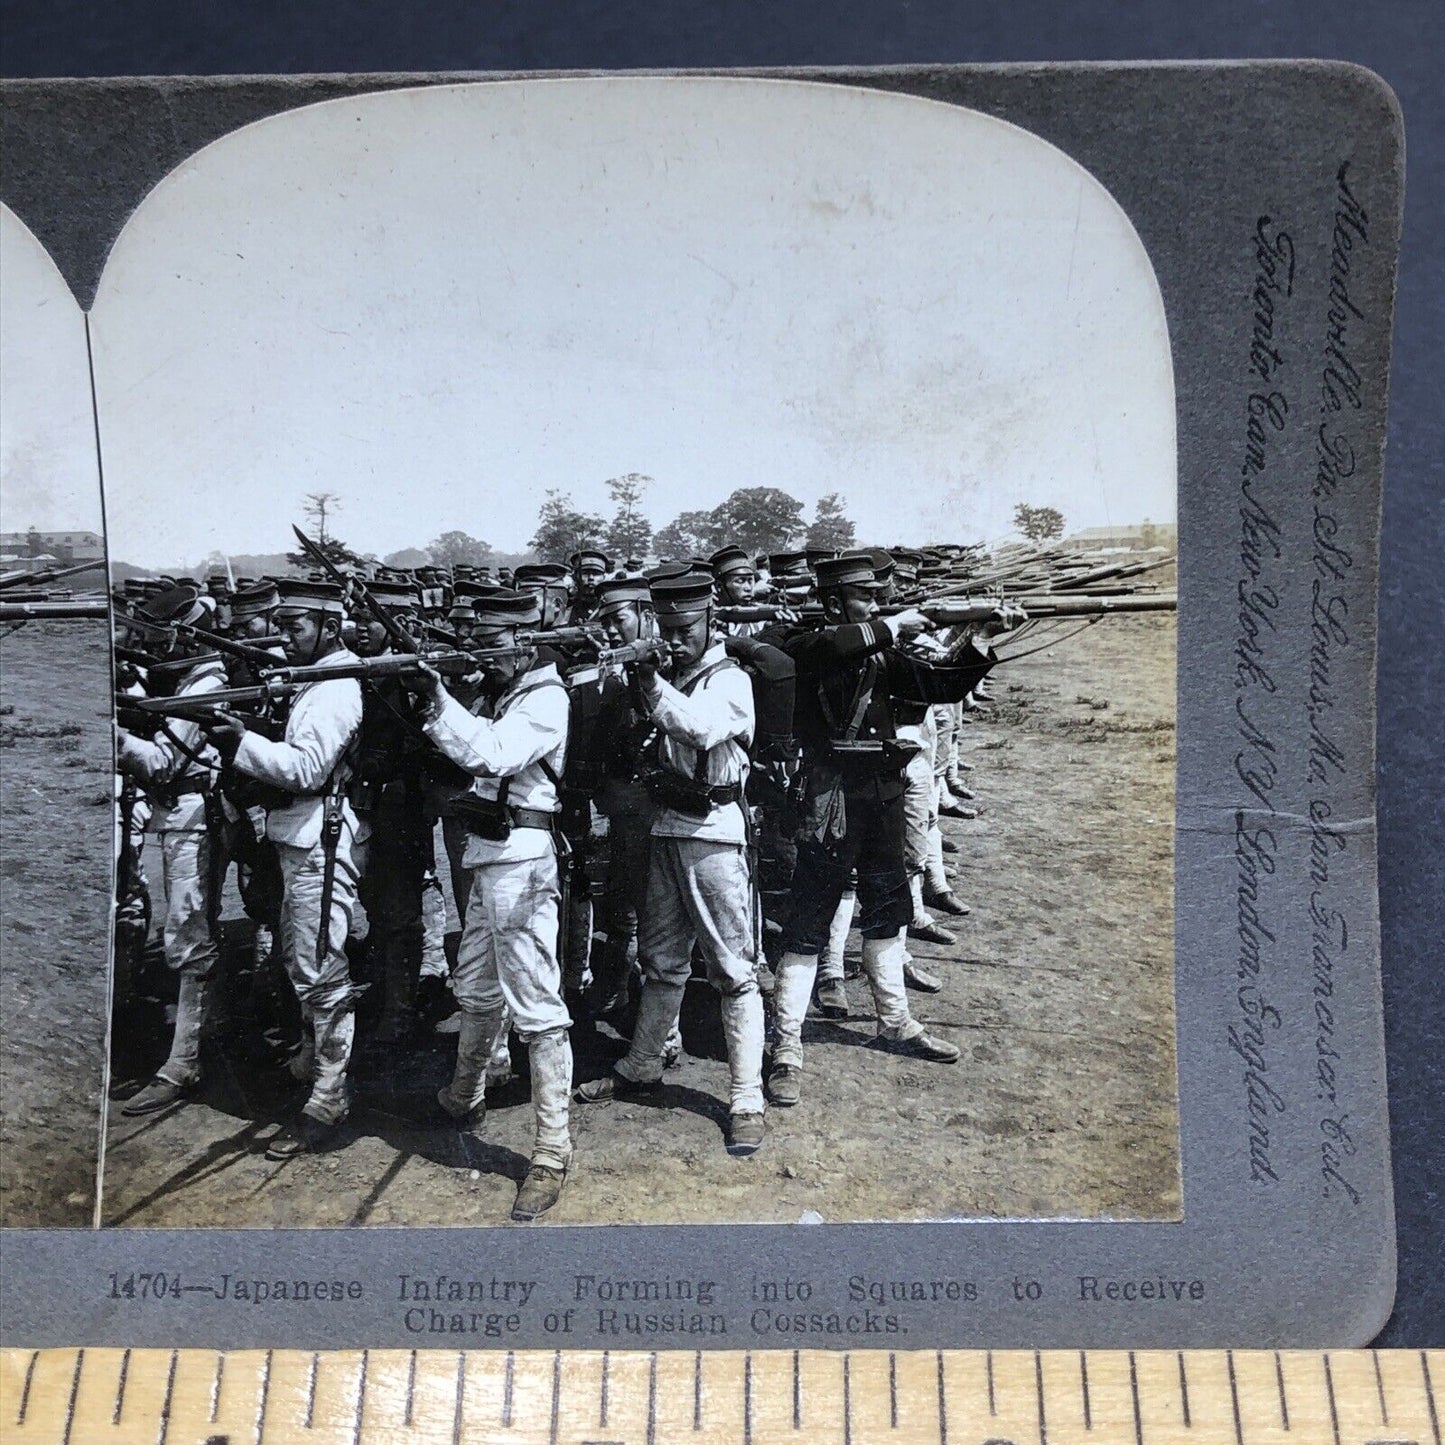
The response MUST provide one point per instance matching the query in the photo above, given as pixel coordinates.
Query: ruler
(948, 1397)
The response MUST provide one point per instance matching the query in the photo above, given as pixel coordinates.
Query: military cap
(729, 559)
(308, 595)
(667, 570)
(680, 597)
(884, 563)
(782, 564)
(470, 591)
(853, 569)
(253, 600)
(619, 592)
(502, 608)
(814, 555)
(541, 574)
(173, 605)
(590, 554)
(396, 596)
(218, 583)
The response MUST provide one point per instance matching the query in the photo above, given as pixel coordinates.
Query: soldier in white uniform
(515, 746)
(177, 770)
(318, 839)
(699, 892)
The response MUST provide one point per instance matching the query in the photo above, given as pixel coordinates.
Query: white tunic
(325, 717)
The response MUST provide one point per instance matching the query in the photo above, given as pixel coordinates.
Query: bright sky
(47, 430)
(437, 303)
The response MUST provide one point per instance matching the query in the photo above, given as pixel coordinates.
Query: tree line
(757, 519)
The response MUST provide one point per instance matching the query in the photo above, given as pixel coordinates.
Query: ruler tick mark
(216, 1387)
(988, 1367)
(1330, 1392)
(1234, 1397)
(847, 1400)
(748, 1398)
(461, 1391)
(892, 1390)
(1039, 1393)
(1134, 1392)
(652, 1398)
(1084, 1384)
(1430, 1397)
(25, 1389)
(311, 1390)
(697, 1390)
(410, 1390)
(602, 1392)
(120, 1388)
(1283, 1400)
(1184, 1391)
(507, 1391)
(943, 1402)
(74, 1392)
(360, 1397)
(797, 1394)
(1380, 1387)
(556, 1395)
(262, 1398)
(166, 1403)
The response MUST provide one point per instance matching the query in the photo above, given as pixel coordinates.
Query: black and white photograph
(644, 634)
(780, 660)
(56, 789)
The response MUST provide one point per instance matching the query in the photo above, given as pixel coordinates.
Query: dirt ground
(1058, 989)
(55, 846)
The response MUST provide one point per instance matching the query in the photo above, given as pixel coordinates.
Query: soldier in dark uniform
(848, 673)
(623, 731)
(589, 567)
(389, 799)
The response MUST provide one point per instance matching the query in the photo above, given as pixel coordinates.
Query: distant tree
(34, 543)
(831, 527)
(562, 529)
(318, 506)
(630, 533)
(453, 547)
(336, 551)
(1039, 524)
(1148, 534)
(690, 534)
(407, 557)
(758, 519)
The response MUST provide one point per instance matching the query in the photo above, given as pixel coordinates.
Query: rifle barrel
(52, 611)
(47, 574)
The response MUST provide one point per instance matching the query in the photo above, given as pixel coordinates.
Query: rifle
(253, 651)
(400, 638)
(41, 611)
(1117, 571)
(47, 574)
(639, 651)
(587, 634)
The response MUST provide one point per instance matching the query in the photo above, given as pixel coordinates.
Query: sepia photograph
(56, 778)
(643, 631)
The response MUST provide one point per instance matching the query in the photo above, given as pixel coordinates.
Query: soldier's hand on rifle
(1006, 616)
(788, 614)
(908, 623)
(225, 731)
(426, 681)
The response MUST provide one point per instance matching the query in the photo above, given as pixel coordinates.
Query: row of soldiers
(786, 765)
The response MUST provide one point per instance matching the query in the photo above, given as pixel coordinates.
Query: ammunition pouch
(494, 821)
(688, 796)
(873, 755)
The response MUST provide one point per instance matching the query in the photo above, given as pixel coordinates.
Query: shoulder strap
(504, 788)
(699, 767)
(858, 706)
